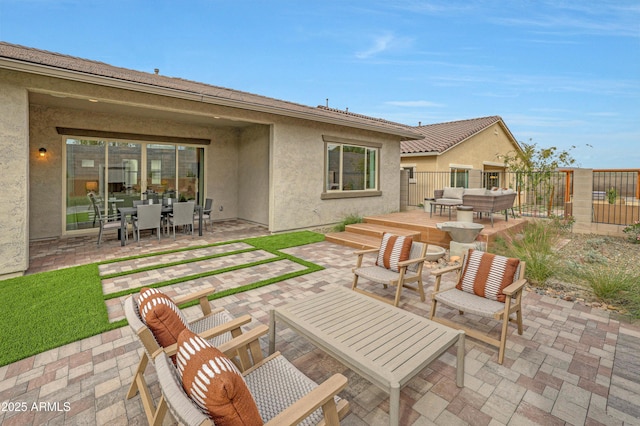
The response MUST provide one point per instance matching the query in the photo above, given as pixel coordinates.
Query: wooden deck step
(367, 235)
(376, 230)
(352, 239)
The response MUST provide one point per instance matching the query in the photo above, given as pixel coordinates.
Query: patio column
(582, 199)
(14, 180)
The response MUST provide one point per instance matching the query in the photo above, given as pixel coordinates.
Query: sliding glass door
(120, 172)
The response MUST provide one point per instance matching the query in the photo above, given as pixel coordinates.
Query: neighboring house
(471, 150)
(120, 133)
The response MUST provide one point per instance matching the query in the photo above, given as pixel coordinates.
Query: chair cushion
(214, 383)
(393, 249)
(486, 274)
(161, 315)
(453, 193)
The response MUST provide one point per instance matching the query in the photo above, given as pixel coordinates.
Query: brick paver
(573, 365)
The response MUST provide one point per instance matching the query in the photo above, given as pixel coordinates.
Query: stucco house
(69, 126)
(470, 150)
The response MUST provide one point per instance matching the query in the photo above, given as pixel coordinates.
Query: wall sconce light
(42, 151)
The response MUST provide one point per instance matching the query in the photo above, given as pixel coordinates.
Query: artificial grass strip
(170, 264)
(43, 311)
(47, 310)
(182, 279)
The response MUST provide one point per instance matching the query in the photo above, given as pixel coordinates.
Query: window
(119, 172)
(459, 178)
(351, 167)
(491, 179)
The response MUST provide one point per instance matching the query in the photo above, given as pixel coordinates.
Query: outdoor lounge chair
(391, 269)
(283, 395)
(488, 285)
(217, 325)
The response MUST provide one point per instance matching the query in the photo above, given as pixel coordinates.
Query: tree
(533, 167)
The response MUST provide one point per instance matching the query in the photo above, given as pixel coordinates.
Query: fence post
(404, 190)
(583, 199)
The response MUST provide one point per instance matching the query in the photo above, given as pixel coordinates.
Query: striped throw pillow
(486, 275)
(161, 315)
(393, 249)
(214, 383)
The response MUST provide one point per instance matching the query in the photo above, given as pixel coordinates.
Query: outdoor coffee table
(444, 203)
(386, 345)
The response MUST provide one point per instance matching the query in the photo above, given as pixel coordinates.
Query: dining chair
(206, 213)
(182, 215)
(106, 223)
(148, 217)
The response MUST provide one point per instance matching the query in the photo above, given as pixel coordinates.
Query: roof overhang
(312, 114)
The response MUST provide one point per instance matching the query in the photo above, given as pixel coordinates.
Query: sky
(562, 74)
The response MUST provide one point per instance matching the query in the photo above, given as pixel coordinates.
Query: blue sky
(560, 73)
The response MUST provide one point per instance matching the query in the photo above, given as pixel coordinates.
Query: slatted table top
(386, 345)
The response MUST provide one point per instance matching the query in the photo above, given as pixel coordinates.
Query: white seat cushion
(381, 275)
(470, 303)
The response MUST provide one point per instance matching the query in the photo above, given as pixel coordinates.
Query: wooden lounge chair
(399, 273)
(297, 397)
(488, 286)
(217, 325)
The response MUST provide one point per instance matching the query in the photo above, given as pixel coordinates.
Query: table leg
(460, 363)
(123, 229)
(272, 331)
(394, 405)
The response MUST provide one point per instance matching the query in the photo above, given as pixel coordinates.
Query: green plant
(535, 246)
(349, 220)
(612, 195)
(633, 232)
(612, 285)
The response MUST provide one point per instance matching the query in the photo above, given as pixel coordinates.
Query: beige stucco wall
(253, 174)
(15, 157)
(297, 181)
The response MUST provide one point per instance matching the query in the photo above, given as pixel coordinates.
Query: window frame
(339, 192)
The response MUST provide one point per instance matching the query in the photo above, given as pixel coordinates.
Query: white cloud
(384, 43)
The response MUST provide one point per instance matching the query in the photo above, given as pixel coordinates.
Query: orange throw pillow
(161, 315)
(393, 249)
(214, 383)
(486, 274)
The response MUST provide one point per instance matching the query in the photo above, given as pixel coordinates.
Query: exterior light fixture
(42, 151)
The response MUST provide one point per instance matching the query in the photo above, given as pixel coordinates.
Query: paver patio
(573, 365)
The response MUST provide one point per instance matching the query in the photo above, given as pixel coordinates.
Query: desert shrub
(535, 246)
(612, 285)
(348, 220)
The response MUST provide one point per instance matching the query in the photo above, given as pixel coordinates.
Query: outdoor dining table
(166, 209)
(386, 345)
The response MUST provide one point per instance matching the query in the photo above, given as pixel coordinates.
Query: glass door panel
(190, 173)
(123, 174)
(161, 170)
(85, 162)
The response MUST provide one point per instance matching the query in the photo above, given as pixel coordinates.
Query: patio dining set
(159, 216)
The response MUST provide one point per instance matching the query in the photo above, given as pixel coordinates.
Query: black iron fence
(615, 195)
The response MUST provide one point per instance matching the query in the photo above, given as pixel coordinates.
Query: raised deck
(418, 225)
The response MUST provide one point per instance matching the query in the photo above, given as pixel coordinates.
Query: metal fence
(615, 196)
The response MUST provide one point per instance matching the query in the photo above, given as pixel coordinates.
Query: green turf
(49, 309)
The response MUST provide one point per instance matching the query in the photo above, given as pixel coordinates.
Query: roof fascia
(420, 154)
(48, 71)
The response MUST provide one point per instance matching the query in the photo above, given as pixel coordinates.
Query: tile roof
(11, 54)
(442, 136)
